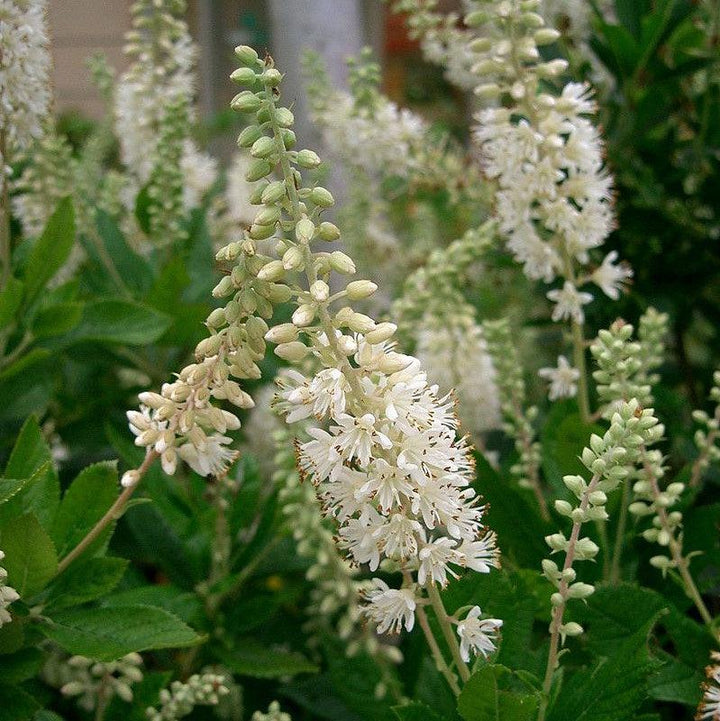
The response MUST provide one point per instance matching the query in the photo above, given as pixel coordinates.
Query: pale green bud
(249, 135)
(293, 352)
(284, 117)
(546, 36)
(256, 327)
(552, 69)
(216, 318)
(342, 263)
(394, 362)
(570, 629)
(476, 18)
(224, 287)
(288, 137)
(347, 345)
(258, 169)
(360, 323)
(293, 259)
(556, 541)
(273, 192)
(260, 232)
(246, 55)
(263, 147)
(304, 230)
(597, 498)
(283, 333)
(308, 159)
(580, 590)
(208, 346)
(271, 77)
(322, 197)
(272, 271)
(319, 291)
(328, 231)
(381, 333)
(488, 91)
(576, 484)
(244, 76)
(268, 216)
(563, 508)
(246, 102)
(278, 293)
(304, 315)
(557, 599)
(585, 549)
(358, 289)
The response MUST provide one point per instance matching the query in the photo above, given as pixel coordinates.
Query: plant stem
(614, 576)
(559, 611)
(447, 630)
(436, 652)
(578, 339)
(114, 512)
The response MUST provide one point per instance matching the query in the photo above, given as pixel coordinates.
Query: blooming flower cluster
(709, 708)
(388, 465)
(7, 595)
(199, 690)
(274, 713)
(563, 379)
(93, 683)
(553, 202)
(24, 76)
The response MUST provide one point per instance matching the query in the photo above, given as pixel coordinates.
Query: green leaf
(12, 638)
(51, 250)
(142, 209)
(251, 658)
(183, 604)
(30, 557)
(488, 695)
(146, 693)
(677, 682)
(31, 458)
(119, 321)
(132, 268)
(415, 711)
(83, 582)
(630, 13)
(108, 633)
(21, 666)
(45, 715)
(10, 486)
(35, 356)
(87, 500)
(10, 300)
(523, 542)
(613, 689)
(17, 704)
(57, 319)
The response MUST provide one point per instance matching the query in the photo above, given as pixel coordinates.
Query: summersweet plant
(452, 490)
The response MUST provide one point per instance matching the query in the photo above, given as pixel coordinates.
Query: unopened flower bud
(293, 352)
(272, 271)
(304, 230)
(130, 478)
(359, 289)
(342, 263)
(322, 197)
(246, 102)
(246, 55)
(328, 231)
(319, 291)
(308, 159)
(262, 147)
(381, 333)
(293, 259)
(304, 315)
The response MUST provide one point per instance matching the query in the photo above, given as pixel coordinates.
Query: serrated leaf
(613, 689)
(42, 496)
(51, 249)
(677, 682)
(252, 658)
(108, 633)
(30, 557)
(183, 604)
(119, 321)
(488, 695)
(57, 319)
(10, 486)
(17, 704)
(85, 581)
(415, 711)
(87, 500)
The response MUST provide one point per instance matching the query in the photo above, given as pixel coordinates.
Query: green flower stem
(114, 512)
(447, 630)
(676, 551)
(436, 652)
(578, 339)
(559, 611)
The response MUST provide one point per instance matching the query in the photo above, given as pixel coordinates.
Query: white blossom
(7, 595)
(389, 608)
(709, 707)
(569, 302)
(563, 379)
(477, 636)
(24, 75)
(611, 276)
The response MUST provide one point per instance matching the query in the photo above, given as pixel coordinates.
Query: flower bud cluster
(518, 420)
(24, 77)
(611, 459)
(553, 202)
(389, 467)
(43, 183)
(274, 713)
(199, 690)
(706, 438)
(709, 708)
(337, 589)
(90, 681)
(626, 367)
(7, 595)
